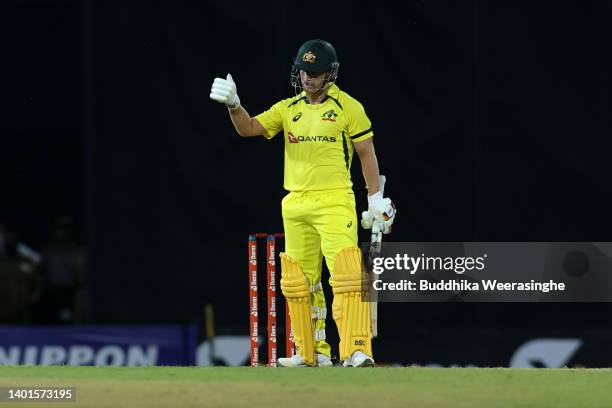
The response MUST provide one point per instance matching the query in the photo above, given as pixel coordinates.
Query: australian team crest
(329, 116)
(309, 57)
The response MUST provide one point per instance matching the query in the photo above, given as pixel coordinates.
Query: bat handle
(376, 234)
(381, 181)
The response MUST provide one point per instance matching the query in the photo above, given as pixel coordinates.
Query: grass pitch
(317, 387)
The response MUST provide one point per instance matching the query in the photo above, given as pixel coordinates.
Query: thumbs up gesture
(224, 91)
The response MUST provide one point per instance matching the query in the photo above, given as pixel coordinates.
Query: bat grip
(376, 234)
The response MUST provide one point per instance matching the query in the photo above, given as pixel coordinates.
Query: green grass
(318, 387)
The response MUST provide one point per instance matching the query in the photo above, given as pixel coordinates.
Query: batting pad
(296, 289)
(350, 311)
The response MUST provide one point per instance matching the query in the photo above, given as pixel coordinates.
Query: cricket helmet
(315, 56)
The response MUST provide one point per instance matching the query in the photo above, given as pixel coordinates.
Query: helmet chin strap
(319, 91)
(296, 82)
(324, 86)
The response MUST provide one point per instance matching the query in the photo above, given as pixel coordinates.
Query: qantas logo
(292, 138)
(298, 139)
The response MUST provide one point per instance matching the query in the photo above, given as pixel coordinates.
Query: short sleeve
(272, 120)
(359, 125)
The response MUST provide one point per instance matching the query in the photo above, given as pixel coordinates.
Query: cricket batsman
(322, 127)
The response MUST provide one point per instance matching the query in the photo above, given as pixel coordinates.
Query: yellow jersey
(318, 138)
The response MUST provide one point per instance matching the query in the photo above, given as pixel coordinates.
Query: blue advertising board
(98, 345)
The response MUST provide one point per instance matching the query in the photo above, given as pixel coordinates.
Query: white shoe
(297, 361)
(358, 359)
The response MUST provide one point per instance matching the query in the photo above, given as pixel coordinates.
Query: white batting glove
(224, 91)
(367, 220)
(380, 215)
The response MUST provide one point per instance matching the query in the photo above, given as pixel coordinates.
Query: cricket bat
(375, 251)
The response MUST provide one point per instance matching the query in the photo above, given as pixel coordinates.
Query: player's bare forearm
(245, 125)
(369, 165)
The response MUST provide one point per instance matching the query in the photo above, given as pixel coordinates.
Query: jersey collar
(333, 93)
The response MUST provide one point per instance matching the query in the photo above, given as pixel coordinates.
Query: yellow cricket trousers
(319, 224)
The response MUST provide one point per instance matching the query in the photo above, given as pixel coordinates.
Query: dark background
(491, 120)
